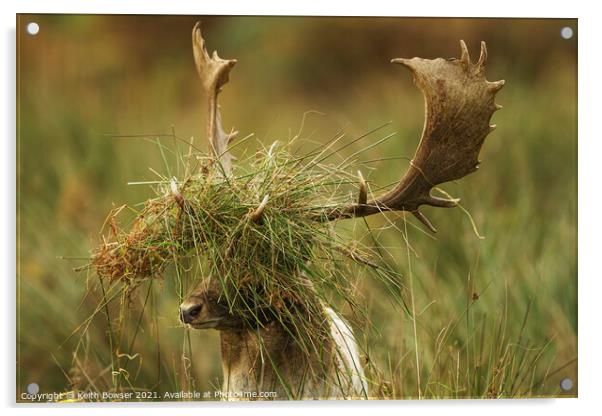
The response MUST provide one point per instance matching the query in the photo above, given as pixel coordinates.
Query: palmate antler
(459, 105)
(214, 73)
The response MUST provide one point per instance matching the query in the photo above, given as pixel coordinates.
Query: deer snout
(189, 311)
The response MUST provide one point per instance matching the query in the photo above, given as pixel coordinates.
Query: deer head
(205, 307)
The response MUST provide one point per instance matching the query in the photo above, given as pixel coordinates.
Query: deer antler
(459, 105)
(213, 72)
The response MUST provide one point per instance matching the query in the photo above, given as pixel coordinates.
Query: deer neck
(268, 359)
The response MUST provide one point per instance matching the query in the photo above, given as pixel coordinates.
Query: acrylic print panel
(260, 224)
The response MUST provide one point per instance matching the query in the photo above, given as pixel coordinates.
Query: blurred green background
(496, 317)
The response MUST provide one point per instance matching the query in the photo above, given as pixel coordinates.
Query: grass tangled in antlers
(284, 260)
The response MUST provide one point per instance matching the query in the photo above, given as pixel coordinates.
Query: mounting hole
(566, 384)
(566, 32)
(33, 28)
(33, 388)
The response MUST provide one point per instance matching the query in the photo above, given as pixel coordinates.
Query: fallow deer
(263, 355)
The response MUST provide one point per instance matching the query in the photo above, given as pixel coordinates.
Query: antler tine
(420, 216)
(483, 57)
(459, 105)
(465, 56)
(214, 73)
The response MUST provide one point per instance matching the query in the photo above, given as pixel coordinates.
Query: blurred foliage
(83, 77)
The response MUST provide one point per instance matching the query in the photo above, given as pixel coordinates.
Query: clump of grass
(137, 254)
(261, 262)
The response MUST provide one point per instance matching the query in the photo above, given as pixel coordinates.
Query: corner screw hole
(566, 32)
(566, 384)
(33, 28)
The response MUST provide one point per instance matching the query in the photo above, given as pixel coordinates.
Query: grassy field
(495, 302)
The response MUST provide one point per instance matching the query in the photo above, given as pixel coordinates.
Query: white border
(308, 7)
(589, 175)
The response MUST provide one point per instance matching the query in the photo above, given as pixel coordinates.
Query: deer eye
(196, 310)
